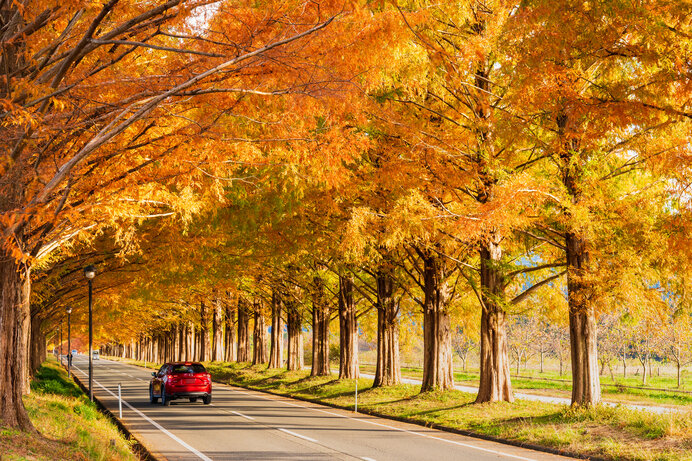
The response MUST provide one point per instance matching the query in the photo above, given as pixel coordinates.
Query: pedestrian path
(548, 399)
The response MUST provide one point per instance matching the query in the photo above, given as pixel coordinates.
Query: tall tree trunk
(259, 353)
(230, 336)
(276, 354)
(495, 382)
(243, 331)
(320, 331)
(37, 346)
(204, 332)
(586, 385)
(388, 365)
(437, 337)
(348, 331)
(189, 341)
(217, 332)
(295, 337)
(181, 341)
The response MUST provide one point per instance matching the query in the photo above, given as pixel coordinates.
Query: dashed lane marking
(454, 442)
(297, 435)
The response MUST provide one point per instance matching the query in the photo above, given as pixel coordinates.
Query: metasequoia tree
(459, 131)
(600, 126)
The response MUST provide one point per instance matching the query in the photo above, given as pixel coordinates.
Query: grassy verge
(612, 433)
(70, 426)
(564, 389)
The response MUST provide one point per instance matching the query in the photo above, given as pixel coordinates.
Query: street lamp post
(90, 273)
(60, 339)
(69, 345)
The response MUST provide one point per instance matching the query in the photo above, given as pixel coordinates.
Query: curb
(137, 447)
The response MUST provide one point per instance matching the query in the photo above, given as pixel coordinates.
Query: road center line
(454, 442)
(191, 449)
(297, 435)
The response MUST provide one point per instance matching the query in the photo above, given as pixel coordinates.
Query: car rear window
(194, 368)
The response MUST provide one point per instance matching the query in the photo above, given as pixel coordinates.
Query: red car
(179, 380)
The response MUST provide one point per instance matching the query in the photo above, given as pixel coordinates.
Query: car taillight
(172, 377)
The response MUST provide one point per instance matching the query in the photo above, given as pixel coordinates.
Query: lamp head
(90, 272)
(68, 310)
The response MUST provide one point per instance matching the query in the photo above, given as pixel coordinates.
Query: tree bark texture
(388, 366)
(14, 332)
(260, 353)
(586, 384)
(320, 331)
(495, 382)
(437, 336)
(37, 346)
(276, 353)
(295, 337)
(348, 331)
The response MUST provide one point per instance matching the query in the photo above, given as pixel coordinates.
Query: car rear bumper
(184, 395)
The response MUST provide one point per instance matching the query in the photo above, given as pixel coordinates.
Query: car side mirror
(153, 373)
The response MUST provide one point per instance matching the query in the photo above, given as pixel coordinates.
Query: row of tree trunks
(276, 348)
(348, 331)
(320, 330)
(437, 335)
(260, 353)
(243, 331)
(294, 326)
(388, 369)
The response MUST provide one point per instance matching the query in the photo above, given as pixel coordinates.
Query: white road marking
(365, 458)
(191, 449)
(454, 442)
(297, 435)
(242, 415)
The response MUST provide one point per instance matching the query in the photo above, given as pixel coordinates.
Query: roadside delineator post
(120, 403)
(356, 409)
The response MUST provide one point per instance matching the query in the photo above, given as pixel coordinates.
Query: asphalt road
(247, 425)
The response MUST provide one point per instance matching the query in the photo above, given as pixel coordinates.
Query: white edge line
(154, 423)
(488, 450)
(297, 435)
